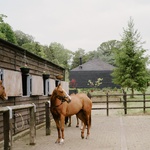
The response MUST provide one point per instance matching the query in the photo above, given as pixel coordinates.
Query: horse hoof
(56, 142)
(61, 141)
(77, 126)
(82, 136)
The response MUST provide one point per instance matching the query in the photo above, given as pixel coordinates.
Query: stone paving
(116, 132)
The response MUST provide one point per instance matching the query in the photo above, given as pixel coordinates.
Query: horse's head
(2, 92)
(61, 94)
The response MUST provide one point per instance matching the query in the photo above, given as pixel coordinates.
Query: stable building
(27, 79)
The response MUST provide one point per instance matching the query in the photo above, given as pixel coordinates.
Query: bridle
(62, 99)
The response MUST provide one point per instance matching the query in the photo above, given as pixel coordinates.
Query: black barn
(92, 70)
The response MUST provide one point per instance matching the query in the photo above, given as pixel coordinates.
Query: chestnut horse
(63, 105)
(2, 92)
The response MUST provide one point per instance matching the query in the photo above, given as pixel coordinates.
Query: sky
(77, 23)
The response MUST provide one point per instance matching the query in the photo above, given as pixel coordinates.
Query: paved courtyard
(116, 132)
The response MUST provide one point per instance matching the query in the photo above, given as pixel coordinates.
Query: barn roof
(94, 65)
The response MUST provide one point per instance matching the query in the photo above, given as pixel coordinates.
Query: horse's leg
(66, 120)
(81, 127)
(86, 119)
(62, 120)
(82, 124)
(77, 121)
(88, 124)
(82, 131)
(81, 116)
(58, 129)
(69, 125)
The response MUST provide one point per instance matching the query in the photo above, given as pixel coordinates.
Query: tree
(130, 71)
(106, 51)
(6, 31)
(57, 54)
(90, 55)
(80, 53)
(23, 38)
(2, 16)
(35, 48)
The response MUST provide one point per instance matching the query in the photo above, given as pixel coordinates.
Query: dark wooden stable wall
(12, 58)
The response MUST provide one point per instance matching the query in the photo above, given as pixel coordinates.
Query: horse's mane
(53, 94)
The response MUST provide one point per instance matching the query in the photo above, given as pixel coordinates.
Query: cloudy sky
(77, 23)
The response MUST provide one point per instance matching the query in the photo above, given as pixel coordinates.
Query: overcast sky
(77, 23)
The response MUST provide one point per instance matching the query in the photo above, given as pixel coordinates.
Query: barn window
(26, 84)
(45, 86)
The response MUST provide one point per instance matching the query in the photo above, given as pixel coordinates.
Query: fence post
(7, 145)
(32, 126)
(107, 109)
(144, 102)
(125, 102)
(47, 112)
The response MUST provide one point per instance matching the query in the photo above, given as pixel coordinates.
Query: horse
(63, 105)
(2, 92)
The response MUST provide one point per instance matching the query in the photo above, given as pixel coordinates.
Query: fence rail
(7, 116)
(124, 100)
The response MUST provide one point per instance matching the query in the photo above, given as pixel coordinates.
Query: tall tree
(130, 71)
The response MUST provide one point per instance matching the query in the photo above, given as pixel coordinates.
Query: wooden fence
(7, 116)
(7, 122)
(122, 98)
(21, 118)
